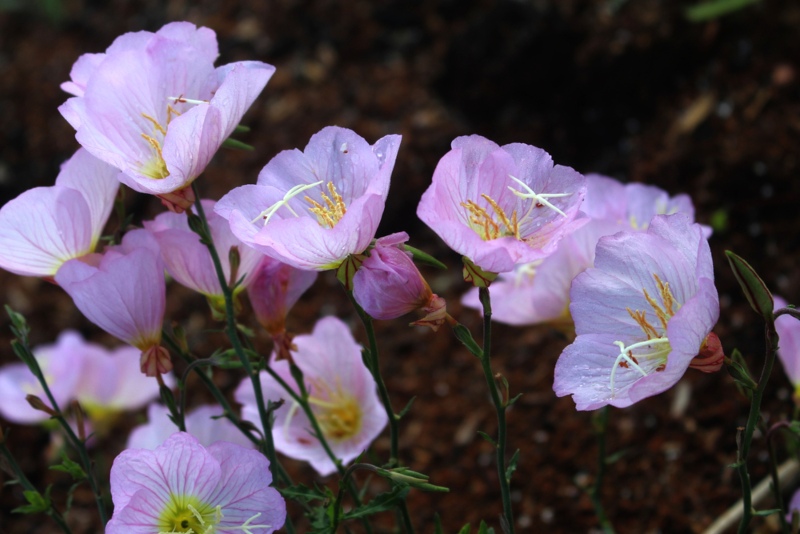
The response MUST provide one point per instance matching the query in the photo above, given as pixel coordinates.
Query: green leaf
(237, 145)
(764, 513)
(487, 437)
(513, 399)
(437, 524)
(512, 465)
(19, 326)
(754, 288)
(424, 257)
(70, 467)
(715, 9)
(737, 368)
(241, 129)
(302, 493)
(465, 529)
(381, 503)
(405, 410)
(36, 502)
(483, 528)
(465, 337)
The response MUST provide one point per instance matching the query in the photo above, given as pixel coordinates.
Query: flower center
(648, 355)
(526, 272)
(156, 167)
(337, 412)
(188, 514)
(497, 223)
(328, 213)
(333, 210)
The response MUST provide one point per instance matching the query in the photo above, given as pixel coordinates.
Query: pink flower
(789, 344)
(342, 392)
(62, 364)
(46, 226)
(123, 293)
(274, 289)
(188, 260)
(313, 209)
(182, 486)
(501, 206)
(110, 383)
(200, 423)
(154, 106)
(388, 284)
(642, 315)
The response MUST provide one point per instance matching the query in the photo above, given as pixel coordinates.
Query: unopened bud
(38, 404)
(754, 288)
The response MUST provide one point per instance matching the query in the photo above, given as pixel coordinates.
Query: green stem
(268, 447)
(72, 438)
(26, 483)
(383, 393)
(500, 408)
(374, 369)
(601, 427)
(771, 336)
(773, 471)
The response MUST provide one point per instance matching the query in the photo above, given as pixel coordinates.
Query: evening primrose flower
(155, 107)
(188, 260)
(389, 285)
(123, 292)
(342, 395)
(182, 486)
(274, 289)
(313, 209)
(501, 206)
(643, 315)
(47, 226)
(62, 365)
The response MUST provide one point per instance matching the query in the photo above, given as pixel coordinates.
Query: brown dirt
(637, 92)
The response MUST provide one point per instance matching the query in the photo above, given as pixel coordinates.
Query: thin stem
(601, 427)
(72, 438)
(383, 393)
(771, 336)
(268, 444)
(26, 483)
(374, 369)
(499, 405)
(773, 471)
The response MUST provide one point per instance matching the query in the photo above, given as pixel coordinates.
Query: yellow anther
(333, 210)
(155, 123)
(641, 320)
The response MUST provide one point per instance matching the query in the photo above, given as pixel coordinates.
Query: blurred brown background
(630, 89)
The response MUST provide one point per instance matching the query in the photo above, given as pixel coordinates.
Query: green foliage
(754, 288)
(465, 337)
(715, 9)
(37, 502)
(424, 258)
(70, 467)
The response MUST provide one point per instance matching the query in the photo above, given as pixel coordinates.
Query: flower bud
(274, 289)
(388, 284)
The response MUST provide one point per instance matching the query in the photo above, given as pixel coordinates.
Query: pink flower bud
(274, 289)
(388, 284)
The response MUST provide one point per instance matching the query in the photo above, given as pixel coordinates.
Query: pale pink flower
(643, 315)
(501, 206)
(188, 260)
(62, 364)
(123, 292)
(313, 209)
(46, 226)
(342, 393)
(203, 423)
(182, 486)
(155, 107)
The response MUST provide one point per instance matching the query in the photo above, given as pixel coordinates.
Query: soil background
(629, 89)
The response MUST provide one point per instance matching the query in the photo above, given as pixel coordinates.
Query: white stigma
(182, 100)
(290, 194)
(541, 198)
(626, 355)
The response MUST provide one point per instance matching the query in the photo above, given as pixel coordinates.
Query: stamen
(155, 123)
(291, 193)
(334, 208)
(660, 313)
(526, 270)
(196, 514)
(541, 198)
(501, 214)
(641, 320)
